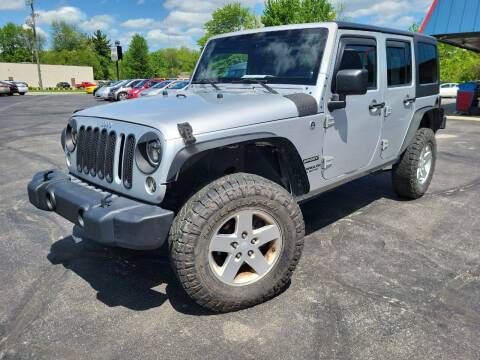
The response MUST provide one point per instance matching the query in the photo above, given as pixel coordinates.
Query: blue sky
(167, 23)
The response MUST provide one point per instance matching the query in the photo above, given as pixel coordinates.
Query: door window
(399, 63)
(361, 56)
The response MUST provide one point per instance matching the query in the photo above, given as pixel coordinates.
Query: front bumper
(106, 218)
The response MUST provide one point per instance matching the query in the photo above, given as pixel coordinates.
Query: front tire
(236, 242)
(122, 96)
(412, 175)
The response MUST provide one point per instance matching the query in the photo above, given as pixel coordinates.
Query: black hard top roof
(363, 27)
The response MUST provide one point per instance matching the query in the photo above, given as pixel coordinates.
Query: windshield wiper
(209, 82)
(251, 80)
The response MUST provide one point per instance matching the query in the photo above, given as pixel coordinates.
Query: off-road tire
(404, 173)
(193, 226)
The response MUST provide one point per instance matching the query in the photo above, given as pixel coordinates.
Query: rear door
(352, 134)
(399, 90)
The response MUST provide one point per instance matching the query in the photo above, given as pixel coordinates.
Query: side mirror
(352, 82)
(348, 82)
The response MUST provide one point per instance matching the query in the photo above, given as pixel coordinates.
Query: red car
(134, 92)
(84, 84)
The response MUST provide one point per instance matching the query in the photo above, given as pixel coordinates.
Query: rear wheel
(412, 175)
(236, 242)
(22, 93)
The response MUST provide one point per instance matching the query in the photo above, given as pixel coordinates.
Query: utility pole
(35, 42)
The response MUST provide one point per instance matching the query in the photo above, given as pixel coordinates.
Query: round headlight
(148, 153)
(154, 152)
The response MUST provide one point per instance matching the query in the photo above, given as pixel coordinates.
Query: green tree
(231, 17)
(282, 12)
(67, 37)
(101, 45)
(172, 62)
(14, 44)
(458, 65)
(136, 62)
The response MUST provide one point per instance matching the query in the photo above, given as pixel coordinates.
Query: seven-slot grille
(96, 154)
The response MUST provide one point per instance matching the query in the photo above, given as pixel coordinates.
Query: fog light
(150, 185)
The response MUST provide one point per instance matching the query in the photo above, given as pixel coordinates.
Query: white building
(51, 74)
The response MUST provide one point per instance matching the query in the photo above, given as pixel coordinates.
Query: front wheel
(412, 175)
(22, 93)
(122, 96)
(236, 242)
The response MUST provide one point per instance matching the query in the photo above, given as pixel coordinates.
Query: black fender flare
(438, 122)
(187, 152)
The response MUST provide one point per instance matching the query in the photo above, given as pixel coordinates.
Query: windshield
(178, 85)
(161, 85)
(140, 84)
(281, 57)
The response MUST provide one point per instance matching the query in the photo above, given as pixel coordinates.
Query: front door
(352, 134)
(399, 94)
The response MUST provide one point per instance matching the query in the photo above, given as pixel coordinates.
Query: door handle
(409, 100)
(375, 106)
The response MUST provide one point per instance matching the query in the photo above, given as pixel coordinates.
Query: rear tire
(22, 93)
(412, 175)
(236, 242)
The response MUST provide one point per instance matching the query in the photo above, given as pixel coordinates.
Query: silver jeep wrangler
(272, 117)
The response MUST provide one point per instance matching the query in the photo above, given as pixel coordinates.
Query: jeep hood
(204, 111)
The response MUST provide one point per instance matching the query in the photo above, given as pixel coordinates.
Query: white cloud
(205, 5)
(68, 14)
(98, 22)
(186, 19)
(157, 36)
(140, 2)
(12, 4)
(40, 32)
(138, 23)
(399, 14)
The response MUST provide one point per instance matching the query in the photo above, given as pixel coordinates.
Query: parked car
(449, 90)
(219, 172)
(4, 88)
(84, 84)
(13, 87)
(134, 92)
(22, 87)
(90, 89)
(103, 92)
(121, 93)
(156, 89)
(177, 86)
(63, 85)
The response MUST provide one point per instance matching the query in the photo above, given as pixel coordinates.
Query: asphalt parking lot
(380, 278)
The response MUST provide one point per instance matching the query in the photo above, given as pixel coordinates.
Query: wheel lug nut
(250, 253)
(239, 255)
(244, 235)
(254, 241)
(234, 244)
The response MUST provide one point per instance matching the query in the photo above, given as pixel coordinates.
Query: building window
(428, 63)
(399, 63)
